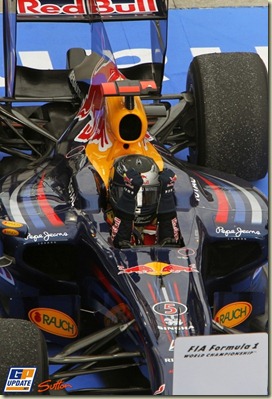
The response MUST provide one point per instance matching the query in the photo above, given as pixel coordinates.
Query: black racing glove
(169, 231)
(167, 203)
(133, 182)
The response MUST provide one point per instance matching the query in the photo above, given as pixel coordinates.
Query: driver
(143, 203)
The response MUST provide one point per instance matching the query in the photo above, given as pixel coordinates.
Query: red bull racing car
(89, 317)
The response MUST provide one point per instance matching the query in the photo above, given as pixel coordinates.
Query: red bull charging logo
(157, 269)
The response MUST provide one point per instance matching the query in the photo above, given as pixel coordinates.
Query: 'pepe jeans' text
(45, 236)
(238, 232)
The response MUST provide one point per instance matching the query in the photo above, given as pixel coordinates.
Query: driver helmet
(148, 195)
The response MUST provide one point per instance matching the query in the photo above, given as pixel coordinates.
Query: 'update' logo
(20, 379)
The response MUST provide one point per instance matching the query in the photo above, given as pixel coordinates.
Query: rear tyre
(231, 113)
(22, 345)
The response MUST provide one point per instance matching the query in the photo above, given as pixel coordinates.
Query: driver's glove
(133, 181)
(169, 231)
(167, 204)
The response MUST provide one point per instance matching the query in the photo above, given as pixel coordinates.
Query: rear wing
(89, 10)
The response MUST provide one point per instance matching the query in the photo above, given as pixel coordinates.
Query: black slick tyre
(22, 346)
(231, 113)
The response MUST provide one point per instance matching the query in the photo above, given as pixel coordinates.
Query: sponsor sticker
(10, 232)
(20, 379)
(236, 232)
(10, 223)
(38, 7)
(53, 386)
(77, 7)
(157, 269)
(54, 322)
(233, 314)
(46, 236)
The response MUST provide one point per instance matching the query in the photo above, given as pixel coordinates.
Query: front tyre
(22, 345)
(231, 113)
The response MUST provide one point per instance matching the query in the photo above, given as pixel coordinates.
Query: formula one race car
(87, 316)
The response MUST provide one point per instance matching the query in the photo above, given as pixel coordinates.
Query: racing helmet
(148, 195)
